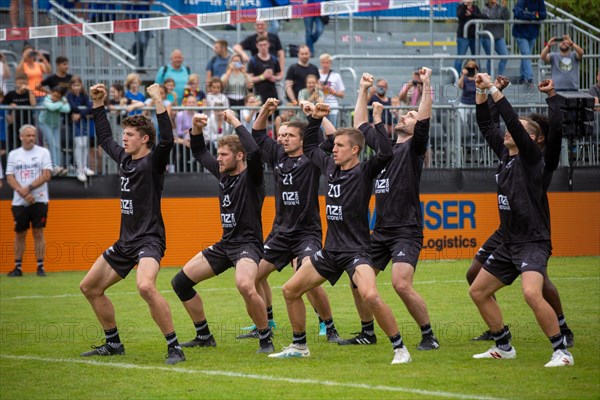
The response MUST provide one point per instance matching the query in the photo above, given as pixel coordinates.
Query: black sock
(202, 331)
(264, 336)
(558, 342)
(329, 325)
(299, 338)
(397, 342)
(18, 264)
(40, 264)
(270, 313)
(316, 312)
(368, 328)
(112, 336)
(562, 323)
(501, 339)
(172, 340)
(426, 330)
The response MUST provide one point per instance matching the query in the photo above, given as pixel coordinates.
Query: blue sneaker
(322, 329)
(252, 327)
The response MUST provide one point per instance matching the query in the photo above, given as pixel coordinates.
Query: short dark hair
(533, 127)
(356, 137)
(222, 42)
(143, 125)
(59, 89)
(61, 59)
(262, 38)
(300, 125)
(542, 121)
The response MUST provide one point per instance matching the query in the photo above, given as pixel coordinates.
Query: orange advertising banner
(78, 231)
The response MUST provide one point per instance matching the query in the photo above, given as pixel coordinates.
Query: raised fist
(425, 74)
(501, 82)
(271, 104)
(230, 117)
(199, 121)
(366, 81)
(546, 86)
(307, 107)
(483, 81)
(321, 110)
(377, 109)
(98, 93)
(154, 91)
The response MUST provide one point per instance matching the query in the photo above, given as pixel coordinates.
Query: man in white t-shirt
(332, 86)
(28, 170)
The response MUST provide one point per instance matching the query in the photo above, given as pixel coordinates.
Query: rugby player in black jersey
(525, 225)
(347, 245)
(142, 239)
(239, 170)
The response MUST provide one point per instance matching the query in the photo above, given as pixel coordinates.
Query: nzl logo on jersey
(126, 207)
(228, 220)
(334, 213)
(503, 203)
(334, 191)
(290, 198)
(382, 186)
(226, 201)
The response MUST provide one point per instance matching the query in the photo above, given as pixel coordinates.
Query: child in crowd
(49, 122)
(133, 93)
(310, 93)
(193, 89)
(171, 94)
(82, 127)
(248, 115)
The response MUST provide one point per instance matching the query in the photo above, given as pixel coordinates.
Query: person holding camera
(34, 65)
(236, 81)
(466, 83)
(412, 91)
(564, 64)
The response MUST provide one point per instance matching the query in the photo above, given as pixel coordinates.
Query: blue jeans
(313, 29)
(526, 48)
(52, 138)
(462, 44)
(500, 49)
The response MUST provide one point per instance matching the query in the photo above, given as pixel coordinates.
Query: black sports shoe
(15, 272)
(361, 338)
(487, 335)
(429, 342)
(253, 334)
(333, 336)
(569, 337)
(199, 342)
(105, 350)
(174, 355)
(41, 272)
(266, 348)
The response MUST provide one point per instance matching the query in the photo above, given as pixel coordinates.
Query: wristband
(481, 91)
(30, 187)
(493, 90)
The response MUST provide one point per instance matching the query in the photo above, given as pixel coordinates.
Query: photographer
(34, 65)
(466, 83)
(564, 64)
(412, 91)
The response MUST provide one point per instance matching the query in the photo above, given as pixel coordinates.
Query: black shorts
(222, 256)
(490, 245)
(34, 215)
(123, 258)
(391, 245)
(280, 251)
(508, 261)
(331, 264)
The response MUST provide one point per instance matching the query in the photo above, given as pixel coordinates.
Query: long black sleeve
(160, 156)
(203, 156)
(490, 132)
(270, 148)
(554, 138)
(105, 135)
(421, 136)
(382, 147)
(254, 161)
(311, 145)
(528, 149)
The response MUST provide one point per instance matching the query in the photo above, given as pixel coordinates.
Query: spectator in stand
(176, 70)
(3, 125)
(19, 97)
(250, 43)
(310, 93)
(466, 12)
(381, 97)
(215, 93)
(332, 86)
(34, 65)
(49, 122)
(166, 103)
(264, 70)
(396, 103)
(217, 66)
(412, 91)
(295, 77)
(183, 121)
(466, 83)
(236, 81)
(249, 113)
(82, 127)
(595, 91)
(565, 64)
(14, 12)
(192, 88)
(117, 100)
(132, 86)
(492, 10)
(313, 28)
(169, 84)
(141, 37)
(217, 128)
(526, 34)
(61, 77)
(4, 72)
(284, 117)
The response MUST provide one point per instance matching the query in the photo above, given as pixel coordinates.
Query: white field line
(267, 378)
(202, 290)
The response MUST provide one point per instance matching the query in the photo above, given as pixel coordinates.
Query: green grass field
(46, 323)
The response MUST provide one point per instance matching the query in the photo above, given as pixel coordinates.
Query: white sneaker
(495, 352)
(81, 177)
(292, 351)
(560, 358)
(89, 172)
(401, 356)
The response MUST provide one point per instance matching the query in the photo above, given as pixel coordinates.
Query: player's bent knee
(246, 287)
(183, 286)
(402, 286)
(371, 298)
(288, 292)
(532, 296)
(146, 290)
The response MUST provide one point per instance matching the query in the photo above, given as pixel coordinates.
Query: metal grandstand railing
(454, 142)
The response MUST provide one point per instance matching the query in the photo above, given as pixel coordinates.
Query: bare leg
(532, 282)
(146, 283)
(20, 244)
(481, 291)
(99, 278)
(364, 278)
(402, 279)
(245, 280)
(40, 243)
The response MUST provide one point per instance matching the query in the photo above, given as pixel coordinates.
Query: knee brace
(183, 286)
